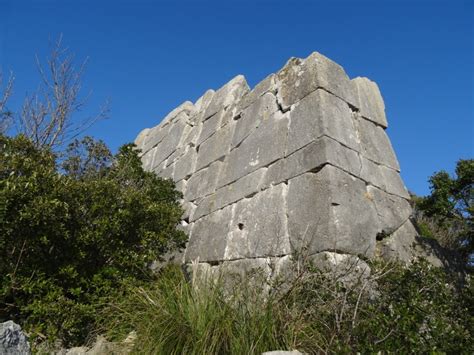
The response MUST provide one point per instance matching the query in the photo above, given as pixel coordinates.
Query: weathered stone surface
(210, 126)
(312, 157)
(321, 214)
(369, 100)
(321, 114)
(245, 187)
(185, 165)
(383, 177)
(399, 245)
(12, 339)
(393, 211)
(252, 116)
(264, 215)
(203, 182)
(226, 95)
(375, 144)
(298, 78)
(170, 142)
(216, 147)
(208, 238)
(264, 146)
(300, 163)
(140, 140)
(266, 85)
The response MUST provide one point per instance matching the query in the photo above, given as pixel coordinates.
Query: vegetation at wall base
(415, 309)
(73, 230)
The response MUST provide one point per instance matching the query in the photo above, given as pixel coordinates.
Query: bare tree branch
(47, 117)
(5, 114)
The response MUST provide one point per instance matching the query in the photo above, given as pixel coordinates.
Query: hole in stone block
(241, 226)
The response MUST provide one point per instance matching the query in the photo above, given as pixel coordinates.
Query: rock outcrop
(301, 163)
(12, 339)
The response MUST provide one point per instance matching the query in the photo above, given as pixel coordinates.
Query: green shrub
(72, 233)
(396, 310)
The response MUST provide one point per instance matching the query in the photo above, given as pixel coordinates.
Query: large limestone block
(392, 210)
(210, 126)
(319, 114)
(264, 146)
(369, 100)
(399, 245)
(375, 144)
(185, 109)
(140, 140)
(154, 136)
(185, 165)
(203, 102)
(245, 187)
(170, 142)
(215, 148)
(226, 95)
(383, 177)
(203, 182)
(249, 120)
(312, 157)
(331, 211)
(208, 237)
(259, 226)
(298, 78)
(266, 85)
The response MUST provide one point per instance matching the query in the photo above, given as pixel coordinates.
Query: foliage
(448, 212)
(71, 235)
(397, 309)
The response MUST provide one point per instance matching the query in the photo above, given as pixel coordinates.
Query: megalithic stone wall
(301, 162)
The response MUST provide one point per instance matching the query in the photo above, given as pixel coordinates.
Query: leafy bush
(71, 233)
(447, 214)
(405, 310)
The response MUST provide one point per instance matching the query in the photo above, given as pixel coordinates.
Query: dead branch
(47, 116)
(5, 114)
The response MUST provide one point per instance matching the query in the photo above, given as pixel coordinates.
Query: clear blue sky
(149, 56)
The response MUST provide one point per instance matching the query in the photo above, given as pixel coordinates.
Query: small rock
(12, 339)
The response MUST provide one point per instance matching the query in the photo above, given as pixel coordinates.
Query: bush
(397, 309)
(71, 233)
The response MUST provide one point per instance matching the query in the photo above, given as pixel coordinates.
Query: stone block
(383, 177)
(208, 237)
(226, 95)
(186, 108)
(298, 78)
(140, 140)
(170, 142)
(210, 126)
(215, 148)
(331, 211)
(312, 157)
(375, 144)
(244, 187)
(266, 85)
(321, 114)
(369, 100)
(203, 182)
(203, 102)
(264, 146)
(392, 210)
(262, 109)
(185, 165)
(259, 226)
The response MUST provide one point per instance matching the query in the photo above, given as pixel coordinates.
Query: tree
(5, 114)
(70, 235)
(451, 204)
(47, 116)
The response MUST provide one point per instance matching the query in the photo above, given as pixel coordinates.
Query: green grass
(416, 310)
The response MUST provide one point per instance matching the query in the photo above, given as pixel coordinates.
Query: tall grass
(173, 317)
(414, 309)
